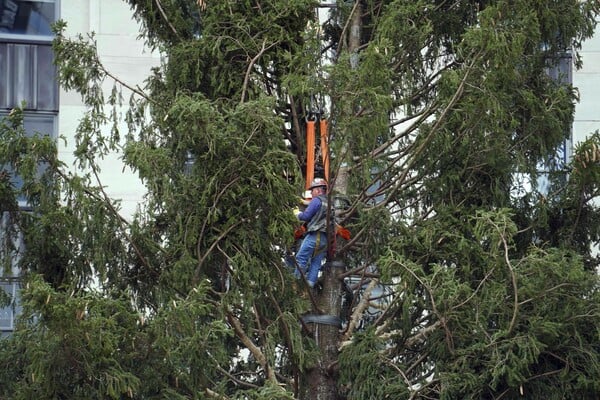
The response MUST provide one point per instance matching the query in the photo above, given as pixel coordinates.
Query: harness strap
(318, 249)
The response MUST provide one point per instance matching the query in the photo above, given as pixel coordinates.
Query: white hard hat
(318, 182)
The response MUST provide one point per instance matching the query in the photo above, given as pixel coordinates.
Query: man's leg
(304, 254)
(317, 259)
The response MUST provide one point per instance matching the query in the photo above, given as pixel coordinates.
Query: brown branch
(137, 90)
(254, 349)
(162, 12)
(287, 338)
(441, 319)
(230, 376)
(485, 278)
(342, 35)
(215, 202)
(212, 247)
(513, 277)
(215, 395)
(436, 125)
(106, 201)
(358, 311)
(419, 336)
(251, 65)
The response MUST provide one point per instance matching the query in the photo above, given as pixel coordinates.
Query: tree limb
(360, 308)
(162, 12)
(255, 350)
(250, 66)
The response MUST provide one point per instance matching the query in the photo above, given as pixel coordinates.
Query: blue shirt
(313, 207)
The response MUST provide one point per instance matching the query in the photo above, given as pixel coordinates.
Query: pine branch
(106, 201)
(251, 65)
(255, 350)
(162, 12)
(513, 276)
(123, 222)
(434, 309)
(135, 90)
(212, 247)
(215, 202)
(455, 97)
(286, 331)
(359, 310)
(485, 278)
(423, 333)
(414, 339)
(215, 395)
(230, 376)
(343, 34)
(423, 387)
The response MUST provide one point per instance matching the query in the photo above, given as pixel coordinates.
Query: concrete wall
(587, 80)
(127, 58)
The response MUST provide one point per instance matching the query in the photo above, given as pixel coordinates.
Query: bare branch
(254, 349)
(215, 395)
(162, 12)
(251, 65)
(358, 311)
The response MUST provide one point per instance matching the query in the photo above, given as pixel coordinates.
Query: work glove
(296, 211)
(303, 201)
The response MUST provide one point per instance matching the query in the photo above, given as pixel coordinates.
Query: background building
(116, 35)
(587, 118)
(27, 74)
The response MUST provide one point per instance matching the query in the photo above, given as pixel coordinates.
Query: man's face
(316, 191)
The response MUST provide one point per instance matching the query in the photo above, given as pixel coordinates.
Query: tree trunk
(321, 381)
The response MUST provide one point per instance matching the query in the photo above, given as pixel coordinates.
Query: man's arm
(311, 210)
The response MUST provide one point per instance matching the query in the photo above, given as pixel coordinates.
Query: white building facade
(587, 80)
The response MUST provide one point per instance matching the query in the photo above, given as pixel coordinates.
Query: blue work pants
(310, 256)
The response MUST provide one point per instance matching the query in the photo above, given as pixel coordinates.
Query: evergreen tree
(461, 278)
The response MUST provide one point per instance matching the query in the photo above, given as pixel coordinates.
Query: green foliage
(503, 325)
(436, 118)
(71, 346)
(366, 370)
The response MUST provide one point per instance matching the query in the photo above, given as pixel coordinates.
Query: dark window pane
(4, 76)
(7, 311)
(47, 89)
(27, 17)
(22, 74)
(33, 124)
(27, 74)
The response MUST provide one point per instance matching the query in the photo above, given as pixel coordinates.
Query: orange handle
(324, 147)
(310, 152)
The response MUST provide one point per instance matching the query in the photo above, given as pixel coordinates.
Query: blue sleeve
(311, 210)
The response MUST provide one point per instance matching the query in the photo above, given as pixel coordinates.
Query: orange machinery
(311, 150)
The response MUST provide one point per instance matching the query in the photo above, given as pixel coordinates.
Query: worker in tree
(314, 245)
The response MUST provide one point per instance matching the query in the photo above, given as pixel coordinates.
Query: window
(27, 17)
(27, 74)
(34, 123)
(11, 251)
(561, 71)
(9, 304)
